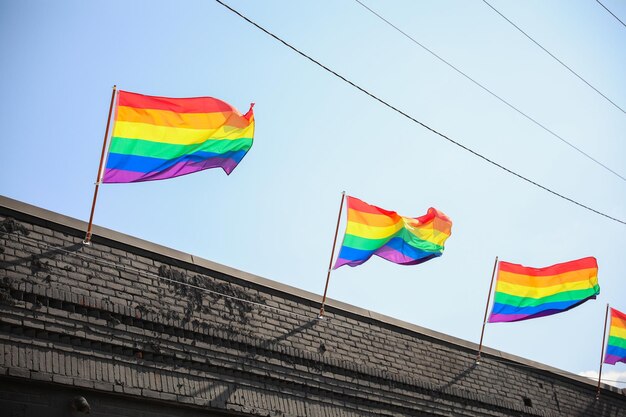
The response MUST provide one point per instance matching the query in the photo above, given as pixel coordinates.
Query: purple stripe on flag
(341, 261)
(389, 254)
(182, 168)
(613, 359)
(398, 257)
(499, 318)
(393, 255)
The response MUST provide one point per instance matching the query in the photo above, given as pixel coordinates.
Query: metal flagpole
(332, 255)
(482, 333)
(606, 316)
(87, 240)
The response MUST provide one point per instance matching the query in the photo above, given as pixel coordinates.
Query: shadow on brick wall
(35, 261)
(219, 398)
(458, 377)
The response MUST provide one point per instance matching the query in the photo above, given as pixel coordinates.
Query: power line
(489, 91)
(552, 55)
(341, 77)
(613, 14)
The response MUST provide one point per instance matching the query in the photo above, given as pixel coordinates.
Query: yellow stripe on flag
(178, 136)
(534, 292)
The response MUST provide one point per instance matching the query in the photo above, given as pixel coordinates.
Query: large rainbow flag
(155, 138)
(372, 230)
(524, 293)
(616, 346)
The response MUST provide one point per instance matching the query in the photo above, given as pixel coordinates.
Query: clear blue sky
(275, 214)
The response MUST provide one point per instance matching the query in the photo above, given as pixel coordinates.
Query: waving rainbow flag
(155, 138)
(372, 230)
(616, 346)
(524, 293)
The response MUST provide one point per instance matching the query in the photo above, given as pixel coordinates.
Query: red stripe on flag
(178, 105)
(618, 318)
(358, 205)
(584, 263)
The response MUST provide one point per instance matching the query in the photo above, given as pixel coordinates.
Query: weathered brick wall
(126, 317)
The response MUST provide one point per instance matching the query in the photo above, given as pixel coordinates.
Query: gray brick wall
(136, 322)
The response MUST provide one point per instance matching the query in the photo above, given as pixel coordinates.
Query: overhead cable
(553, 56)
(489, 91)
(612, 14)
(484, 158)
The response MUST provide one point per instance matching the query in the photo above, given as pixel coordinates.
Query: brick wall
(128, 322)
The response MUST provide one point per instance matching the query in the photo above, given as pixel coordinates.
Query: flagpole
(606, 316)
(87, 240)
(482, 332)
(332, 255)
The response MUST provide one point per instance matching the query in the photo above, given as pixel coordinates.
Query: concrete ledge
(18, 209)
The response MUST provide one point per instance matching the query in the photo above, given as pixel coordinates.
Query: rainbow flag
(616, 346)
(155, 138)
(402, 240)
(524, 293)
